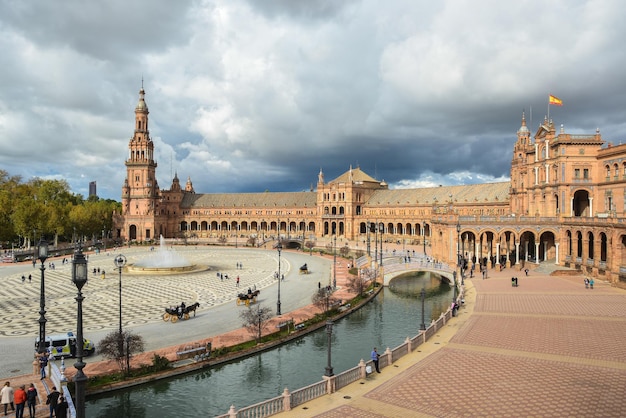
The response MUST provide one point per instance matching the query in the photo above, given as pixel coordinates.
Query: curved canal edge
(186, 368)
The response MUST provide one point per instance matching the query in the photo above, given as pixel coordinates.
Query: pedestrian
(319, 285)
(53, 400)
(30, 278)
(31, 398)
(60, 411)
(237, 281)
(282, 277)
(591, 283)
(526, 271)
(23, 279)
(6, 397)
(586, 283)
(375, 358)
(20, 401)
(43, 363)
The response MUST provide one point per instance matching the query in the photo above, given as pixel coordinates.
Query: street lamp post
(79, 277)
(369, 227)
(335, 262)
(329, 333)
(424, 238)
(423, 297)
(382, 231)
(454, 286)
(279, 247)
(120, 262)
(458, 251)
(42, 255)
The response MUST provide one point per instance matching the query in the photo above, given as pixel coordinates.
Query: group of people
(18, 399)
(589, 283)
(30, 279)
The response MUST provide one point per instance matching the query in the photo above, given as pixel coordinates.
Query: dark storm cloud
(253, 96)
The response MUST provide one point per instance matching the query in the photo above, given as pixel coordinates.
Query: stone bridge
(393, 269)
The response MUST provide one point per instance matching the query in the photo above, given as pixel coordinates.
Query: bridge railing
(288, 401)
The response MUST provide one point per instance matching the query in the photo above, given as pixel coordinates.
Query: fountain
(164, 261)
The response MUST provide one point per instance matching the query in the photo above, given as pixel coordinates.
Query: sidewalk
(548, 348)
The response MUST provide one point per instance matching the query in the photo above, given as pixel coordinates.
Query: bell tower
(140, 192)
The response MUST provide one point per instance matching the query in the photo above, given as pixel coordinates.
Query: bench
(299, 327)
(285, 325)
(188, 352)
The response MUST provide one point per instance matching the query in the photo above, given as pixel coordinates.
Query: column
(547, 166)
(547, 149)
(517, 253)
(526, 250)
(536, 152)
(571, 207)
(537, 252)
(497, 253)
(591, 206)
(556, 244)
(545, 250)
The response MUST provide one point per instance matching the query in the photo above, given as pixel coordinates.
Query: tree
(255, 320)
(310, 245)
(323, 299)
(121, 348)
(356, 284)
(344, 251)
(252, 241)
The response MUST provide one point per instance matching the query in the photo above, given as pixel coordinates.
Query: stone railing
(287, 401)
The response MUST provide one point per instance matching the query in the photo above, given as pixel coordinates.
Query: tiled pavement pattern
(144, 297)
(548, 348)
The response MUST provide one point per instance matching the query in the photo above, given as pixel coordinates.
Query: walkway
(548, 348)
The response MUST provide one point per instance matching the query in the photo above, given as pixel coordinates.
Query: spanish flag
(553, 100)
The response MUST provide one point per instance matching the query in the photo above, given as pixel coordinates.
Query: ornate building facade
(564, 205)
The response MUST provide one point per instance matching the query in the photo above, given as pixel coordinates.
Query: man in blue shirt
(375, 357)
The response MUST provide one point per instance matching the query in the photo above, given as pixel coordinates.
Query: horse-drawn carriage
(304, 269)
(247, 298)
(180, 312)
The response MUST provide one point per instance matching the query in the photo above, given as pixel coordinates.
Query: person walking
(60, 410)
(53, 400)
(43, 363)
(237, 281)
(6, 397)
(31, 399)
(375, 359)
(20, 401)
(591, 283)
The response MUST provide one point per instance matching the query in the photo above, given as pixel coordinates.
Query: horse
(192, 308)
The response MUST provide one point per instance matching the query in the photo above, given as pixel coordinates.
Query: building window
(577, 173)
(586, 173)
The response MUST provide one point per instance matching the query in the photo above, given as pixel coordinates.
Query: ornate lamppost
(329, 333)
(424, 238)
(369, 227)
(120, 262)
(79, 277)
(458, 251)
(423, 298)
(42, 255)
(382, 231)
(335, 262)
(279, 247)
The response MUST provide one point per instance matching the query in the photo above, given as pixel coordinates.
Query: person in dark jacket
(31, 399)
(53, 400)
(61, 409)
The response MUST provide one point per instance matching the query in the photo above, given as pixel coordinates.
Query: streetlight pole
(120, 262)
(335, 262)
(42, 255)
(458, 251)
(424, 238)
(79, 277)
(329, 333)
(423, 297)
(382, 231)
(369, 227)
(279, 247)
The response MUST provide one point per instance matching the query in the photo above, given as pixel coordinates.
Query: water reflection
(385, 322)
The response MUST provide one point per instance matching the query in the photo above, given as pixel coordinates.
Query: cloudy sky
(247, 96)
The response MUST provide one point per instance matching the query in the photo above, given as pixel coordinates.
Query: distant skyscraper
(92, 189)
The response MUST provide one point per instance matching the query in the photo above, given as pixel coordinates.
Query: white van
(65, 345)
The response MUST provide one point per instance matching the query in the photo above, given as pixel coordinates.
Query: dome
(141, 105)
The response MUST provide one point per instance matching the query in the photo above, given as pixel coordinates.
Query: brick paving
(548, 348)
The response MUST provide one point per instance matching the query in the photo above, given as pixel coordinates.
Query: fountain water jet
(164, 261)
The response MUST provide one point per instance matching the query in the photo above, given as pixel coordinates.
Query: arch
(214, 226)
(132, 232)
(603, 247)
(590, 246)
(579, 246)
(581, 203)
(341, 210)
(204, 226)
(194, 225)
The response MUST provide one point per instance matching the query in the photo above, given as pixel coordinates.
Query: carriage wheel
(238, 301)
(174, 318)
(254, 299)
(186, 316)
(166, 317)
(247, 302)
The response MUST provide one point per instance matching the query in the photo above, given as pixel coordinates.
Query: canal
(384, 322)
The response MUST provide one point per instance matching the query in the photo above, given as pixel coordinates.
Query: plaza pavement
(144, 299)
(548, 348)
